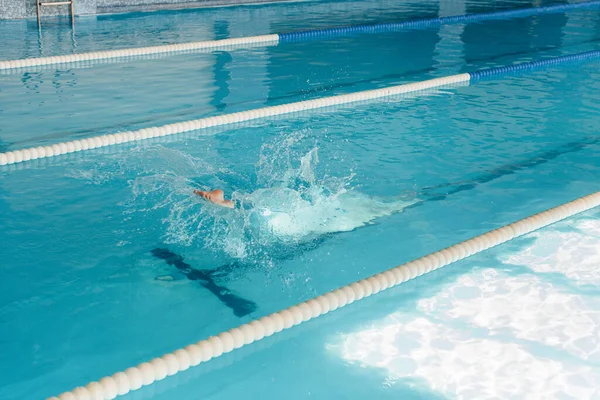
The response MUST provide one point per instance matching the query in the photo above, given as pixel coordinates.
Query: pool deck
(22, 9)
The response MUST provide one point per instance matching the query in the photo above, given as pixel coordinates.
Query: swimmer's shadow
(240, 306)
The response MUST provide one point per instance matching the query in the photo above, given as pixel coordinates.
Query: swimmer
(216, 197)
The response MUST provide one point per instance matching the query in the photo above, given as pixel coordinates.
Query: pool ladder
(41, 3)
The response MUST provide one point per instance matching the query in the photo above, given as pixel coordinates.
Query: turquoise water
(327, 198)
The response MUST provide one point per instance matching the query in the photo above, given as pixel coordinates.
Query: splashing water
(289, 214)
(295, 205)
(288, 203)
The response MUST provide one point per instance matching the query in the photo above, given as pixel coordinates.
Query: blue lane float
(498, 72)
(92, 58)
(317, 34)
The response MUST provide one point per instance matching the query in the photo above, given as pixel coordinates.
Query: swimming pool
(87, 291)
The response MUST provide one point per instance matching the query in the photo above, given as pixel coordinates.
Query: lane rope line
(33, 153)
(209, 45)
(180, 360)
(431, 22)
(275, 39)
(215, 130)
(18, 156)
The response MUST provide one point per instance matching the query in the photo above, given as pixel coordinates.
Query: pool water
(92, 281)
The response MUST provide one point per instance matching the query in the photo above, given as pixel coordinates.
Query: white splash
(291, 201)
(296, 203)
(288, 213)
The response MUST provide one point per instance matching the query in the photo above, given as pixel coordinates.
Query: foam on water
(298, 204)
(290, 214)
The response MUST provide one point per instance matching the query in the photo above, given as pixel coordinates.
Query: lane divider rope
(180, 360)
(275, 39)
(209, 45)
(54, 150)
(431, 22)
(215, 130)
(33, 153)
(494, 73)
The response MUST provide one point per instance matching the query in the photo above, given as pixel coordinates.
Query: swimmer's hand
(216, 197)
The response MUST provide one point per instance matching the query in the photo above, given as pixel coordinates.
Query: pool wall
(21, 9)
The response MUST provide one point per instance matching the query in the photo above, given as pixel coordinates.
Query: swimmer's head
(216, 197)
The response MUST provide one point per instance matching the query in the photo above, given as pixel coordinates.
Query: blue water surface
(326, 198)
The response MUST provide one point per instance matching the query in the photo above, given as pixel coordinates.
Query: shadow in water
(240, 306)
